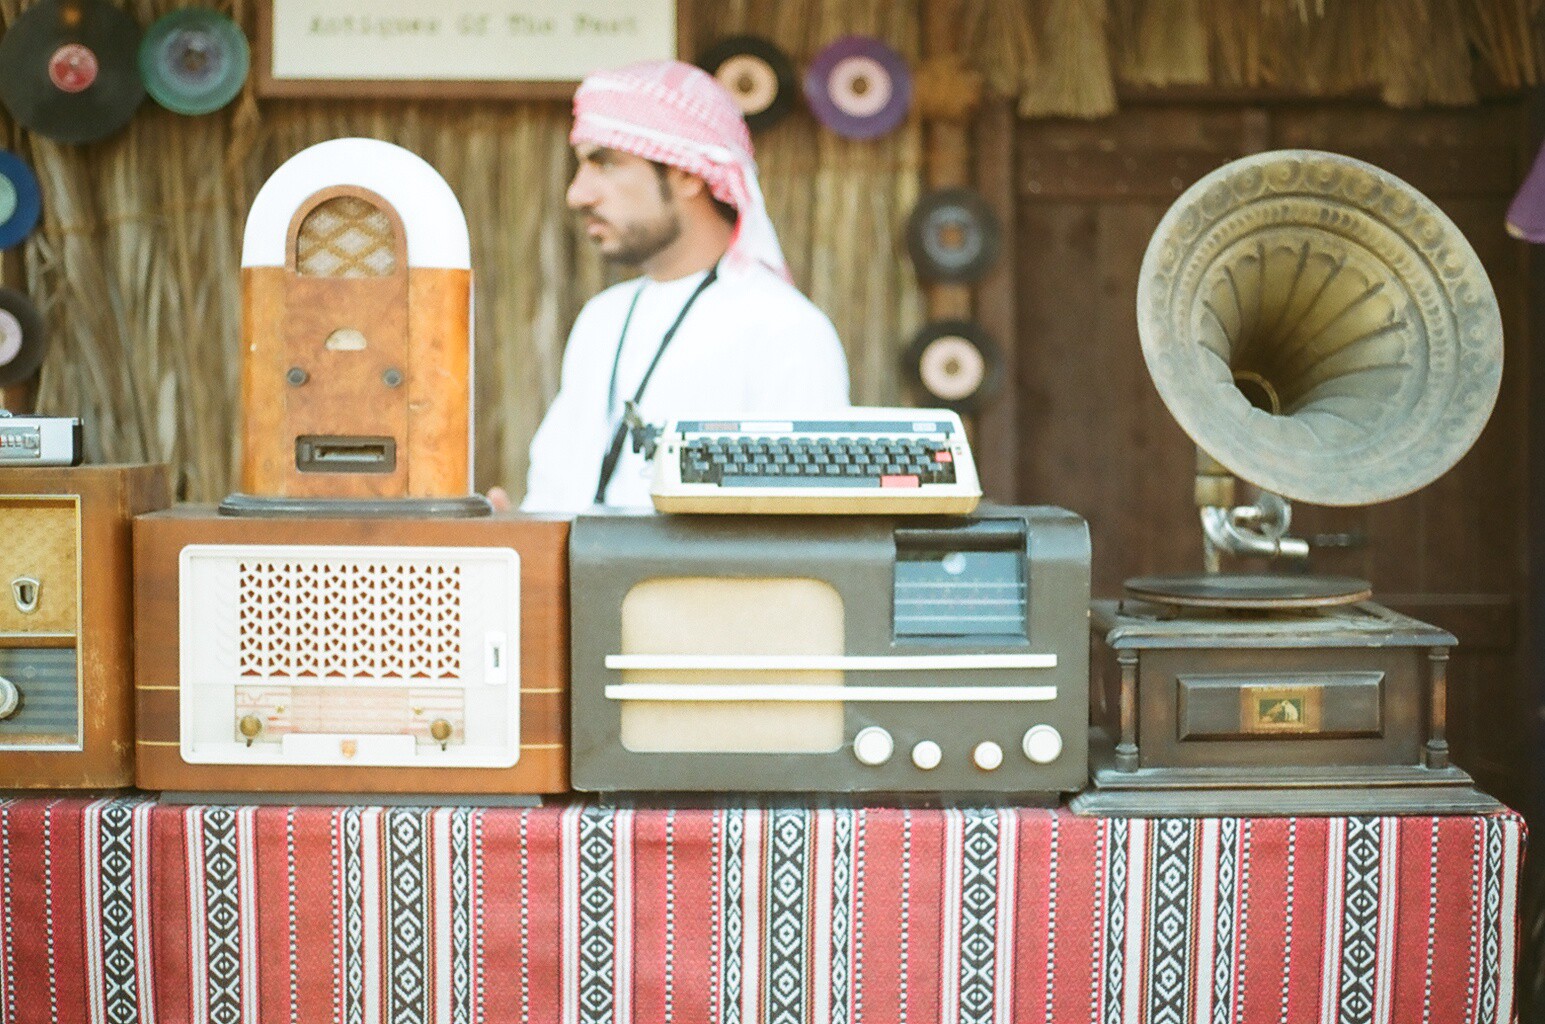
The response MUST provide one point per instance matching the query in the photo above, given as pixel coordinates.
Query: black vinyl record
(955, 364)
(757, 74)
(952, 236)
(1259, 592)
(22, 340)
(69, 69)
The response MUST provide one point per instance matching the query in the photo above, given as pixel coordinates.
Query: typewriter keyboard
(740, 461)
(867, 461)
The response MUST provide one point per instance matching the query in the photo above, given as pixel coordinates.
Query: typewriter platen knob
(873, 745)
(1042, 744)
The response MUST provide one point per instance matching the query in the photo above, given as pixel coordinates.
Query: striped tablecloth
(127, 910)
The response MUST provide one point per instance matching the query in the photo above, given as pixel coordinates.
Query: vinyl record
(757, 74)
(952, 236)
(22, 341)
(859, 87)
(20, 201)
(68, 69)
(194, 60)
(1261, 592)
(954, 363)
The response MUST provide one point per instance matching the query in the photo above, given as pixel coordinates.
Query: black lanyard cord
(614, 453)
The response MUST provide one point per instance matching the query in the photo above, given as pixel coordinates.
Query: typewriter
(861, 460)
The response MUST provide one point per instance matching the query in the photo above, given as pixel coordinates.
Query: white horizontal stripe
(843, 694)
(824, 662)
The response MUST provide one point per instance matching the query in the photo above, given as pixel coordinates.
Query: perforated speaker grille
(346, 237)
(324, 619)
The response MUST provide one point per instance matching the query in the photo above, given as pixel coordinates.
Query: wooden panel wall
(1094, 436)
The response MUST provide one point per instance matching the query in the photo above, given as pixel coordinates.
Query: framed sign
(468, 49)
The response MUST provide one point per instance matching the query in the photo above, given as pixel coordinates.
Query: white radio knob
(927, 755)
(10, 698)
(873, 745)
(987, 755)
(1042, 744)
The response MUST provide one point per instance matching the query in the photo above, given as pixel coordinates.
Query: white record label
(10, 337)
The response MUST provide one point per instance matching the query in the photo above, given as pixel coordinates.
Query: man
(666, 181)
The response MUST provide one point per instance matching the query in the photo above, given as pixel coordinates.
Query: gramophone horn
(1320, 328)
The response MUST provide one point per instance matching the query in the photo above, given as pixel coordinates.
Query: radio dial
(987, 755)
(10, 698)
(927, 755)
(873, 745)
(1042, 744)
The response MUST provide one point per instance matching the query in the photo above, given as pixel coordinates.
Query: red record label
(72, 68)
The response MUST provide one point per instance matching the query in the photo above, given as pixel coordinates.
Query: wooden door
(1092, 434)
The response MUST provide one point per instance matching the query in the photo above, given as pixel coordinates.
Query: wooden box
(66, 641)
(342, 655)
(1336, 710)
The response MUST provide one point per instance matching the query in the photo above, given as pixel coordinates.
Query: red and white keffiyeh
(677, 114)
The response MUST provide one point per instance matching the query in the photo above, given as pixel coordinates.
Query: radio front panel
(357, 655)
(830, 654)
(66, 692)
(39, 699)
(419, 654)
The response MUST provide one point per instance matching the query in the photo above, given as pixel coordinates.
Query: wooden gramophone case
(1339, 709)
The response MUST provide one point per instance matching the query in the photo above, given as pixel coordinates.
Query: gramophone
(1324, 332)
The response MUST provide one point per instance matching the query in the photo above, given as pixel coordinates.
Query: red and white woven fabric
(116, 911)
(677, 114)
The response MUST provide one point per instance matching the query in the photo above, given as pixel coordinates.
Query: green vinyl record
(194, 60)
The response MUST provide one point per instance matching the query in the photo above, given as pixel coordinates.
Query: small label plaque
(1279, 709)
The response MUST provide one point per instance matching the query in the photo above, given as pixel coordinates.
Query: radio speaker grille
(322, 619)
(346, 237)
(694, 615)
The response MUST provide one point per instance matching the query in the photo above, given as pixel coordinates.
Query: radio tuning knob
(987, 756)
(440, 729)
(1042, 744)
(10, 698)
(927, 755)
(873, 745)
(250, 726)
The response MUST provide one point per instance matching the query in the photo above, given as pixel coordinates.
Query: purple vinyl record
(859, 87)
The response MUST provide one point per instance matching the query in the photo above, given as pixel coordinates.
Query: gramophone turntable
(1321, 331)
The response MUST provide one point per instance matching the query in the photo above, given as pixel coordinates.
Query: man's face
(630, 212)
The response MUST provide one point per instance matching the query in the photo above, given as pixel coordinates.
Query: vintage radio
(835, 654)
(356, 292)
(66, 689)
(422, 655)
(1324, 332)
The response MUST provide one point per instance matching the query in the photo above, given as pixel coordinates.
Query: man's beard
(641, 240)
